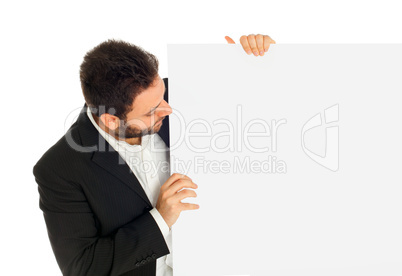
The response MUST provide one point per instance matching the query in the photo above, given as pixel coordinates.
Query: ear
(109, 121)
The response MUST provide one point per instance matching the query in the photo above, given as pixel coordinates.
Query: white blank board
(297, 155)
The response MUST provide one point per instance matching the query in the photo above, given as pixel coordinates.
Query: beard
(130, 131)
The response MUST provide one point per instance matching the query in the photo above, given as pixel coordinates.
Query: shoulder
(63, 157)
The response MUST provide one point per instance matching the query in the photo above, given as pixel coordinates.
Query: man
(104, 213)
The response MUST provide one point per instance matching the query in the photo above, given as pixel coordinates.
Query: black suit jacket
(96, 212)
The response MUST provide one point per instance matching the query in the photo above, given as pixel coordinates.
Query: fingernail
(255, 53)
(248, 52)
(261, 53)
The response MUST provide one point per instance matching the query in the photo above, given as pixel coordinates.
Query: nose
(164, 109)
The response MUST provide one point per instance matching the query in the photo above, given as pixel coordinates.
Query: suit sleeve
(74, 236)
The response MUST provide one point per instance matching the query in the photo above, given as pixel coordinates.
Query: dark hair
(113, 74)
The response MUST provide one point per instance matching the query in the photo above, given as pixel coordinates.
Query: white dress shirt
(150, 165)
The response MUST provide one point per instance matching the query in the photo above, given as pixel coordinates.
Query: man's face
(148, 110)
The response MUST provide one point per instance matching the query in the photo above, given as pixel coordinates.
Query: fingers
(189, 206)
(245, 45)
(260, 44)
(185, 193)
(229, 40)
(173, 178)
(253, 44)
(256, 44)
(175, 183)
(178, 185)
(173, 196)
(267, 42)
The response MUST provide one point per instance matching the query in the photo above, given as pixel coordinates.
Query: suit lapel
(111, 161)
(106, 157)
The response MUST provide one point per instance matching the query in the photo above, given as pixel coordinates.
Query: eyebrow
(154, 108)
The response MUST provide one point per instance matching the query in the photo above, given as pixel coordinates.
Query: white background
(42, 46)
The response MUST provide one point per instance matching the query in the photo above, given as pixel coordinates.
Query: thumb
(229, 40)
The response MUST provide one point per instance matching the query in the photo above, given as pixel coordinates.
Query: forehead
(149, 98)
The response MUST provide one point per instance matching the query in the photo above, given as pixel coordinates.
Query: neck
(131, 141)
